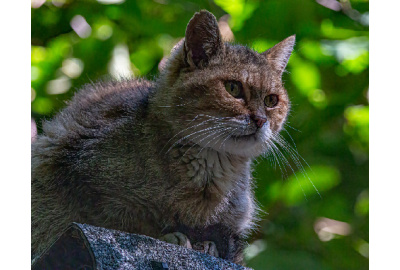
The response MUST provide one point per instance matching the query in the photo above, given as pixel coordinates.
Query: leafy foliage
(75, 42)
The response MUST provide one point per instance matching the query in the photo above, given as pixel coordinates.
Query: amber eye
(234, 88)
(271, 100)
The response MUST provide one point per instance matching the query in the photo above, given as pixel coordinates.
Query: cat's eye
(234, 88)
(271, 100)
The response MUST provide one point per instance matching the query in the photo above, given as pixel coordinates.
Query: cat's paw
(206, 247)
(176, 238)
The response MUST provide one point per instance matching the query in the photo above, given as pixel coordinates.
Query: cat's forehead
(244, 55)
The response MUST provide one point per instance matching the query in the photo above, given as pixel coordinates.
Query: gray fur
(160, 157)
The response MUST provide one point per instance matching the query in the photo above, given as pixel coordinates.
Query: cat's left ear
(278, 56)
(202, 39)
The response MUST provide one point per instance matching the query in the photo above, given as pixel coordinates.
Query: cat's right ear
(202, 39)
(279, 55)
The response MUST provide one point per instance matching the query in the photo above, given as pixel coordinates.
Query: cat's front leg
(176, 238)
(206, 247)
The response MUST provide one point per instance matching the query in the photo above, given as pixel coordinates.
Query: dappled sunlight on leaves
(103, 29)
(146, 56)
(305, 75)
(362, 247)
(327, 228)
(42, 105)
(357, 126)
(255, 248)
(261, 45)
(358, 64)
(80, 26)
(33, 94)
(108, 2)
(35, 73)
(312, 50)
(328, 30)
(72, 67)
(240, 10)
(58, 86)
(318, 98)
(120, 65)
(38, 54)
(362, 204)
(348, 49)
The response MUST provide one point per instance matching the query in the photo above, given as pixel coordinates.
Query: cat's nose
(258, 120)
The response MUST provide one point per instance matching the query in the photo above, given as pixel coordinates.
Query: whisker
(197, 125)
(218, 120)
(287, 132)
(217, 131)
(219, 137)
(201, 133)
(269, 155)
(286, 124)
(276, 158)
(295, 157)
(227, 137)
(177, 105)
(282, 156)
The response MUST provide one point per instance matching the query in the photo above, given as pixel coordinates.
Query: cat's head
(227, 97)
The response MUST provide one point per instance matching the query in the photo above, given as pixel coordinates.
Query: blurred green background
(76, 42)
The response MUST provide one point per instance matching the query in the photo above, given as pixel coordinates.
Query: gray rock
(84, 246)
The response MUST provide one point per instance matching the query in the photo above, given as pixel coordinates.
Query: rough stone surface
(99, 248)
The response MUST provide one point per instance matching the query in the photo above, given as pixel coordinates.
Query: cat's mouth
(245, 136)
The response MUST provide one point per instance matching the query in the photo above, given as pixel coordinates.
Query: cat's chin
(249, 145)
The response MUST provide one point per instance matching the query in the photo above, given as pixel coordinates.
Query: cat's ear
(202, 39)
(278, 56)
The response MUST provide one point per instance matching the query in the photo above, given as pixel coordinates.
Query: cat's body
(168, 156)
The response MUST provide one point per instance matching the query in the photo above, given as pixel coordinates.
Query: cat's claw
(176, 238)
(206, 247)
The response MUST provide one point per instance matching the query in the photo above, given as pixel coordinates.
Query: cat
(169, 158)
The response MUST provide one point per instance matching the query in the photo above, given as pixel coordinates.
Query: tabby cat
(169, 158)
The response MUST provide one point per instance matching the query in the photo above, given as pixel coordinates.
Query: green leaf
(240, 10)
(42, 105)
(146, 56)
(305, 76)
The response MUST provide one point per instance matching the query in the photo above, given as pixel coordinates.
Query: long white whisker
(291, 168)
(286, 124)
(275, 157)
(181, 139)
(185, 130)
(201, 133)
(219, 136)
(295, 157)
(212, 133)
(227, 137)
(287, 132)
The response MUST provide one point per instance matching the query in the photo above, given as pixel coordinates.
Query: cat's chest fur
(214, 187)
(207, 169)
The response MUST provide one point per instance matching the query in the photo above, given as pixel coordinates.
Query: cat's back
(94, 114)
(98, 107)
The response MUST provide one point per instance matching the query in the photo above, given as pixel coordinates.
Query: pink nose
(259, 120)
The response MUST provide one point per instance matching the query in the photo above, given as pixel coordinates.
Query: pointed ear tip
(291, 40)
(205, 11)
(202, 13)
(292, 37)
